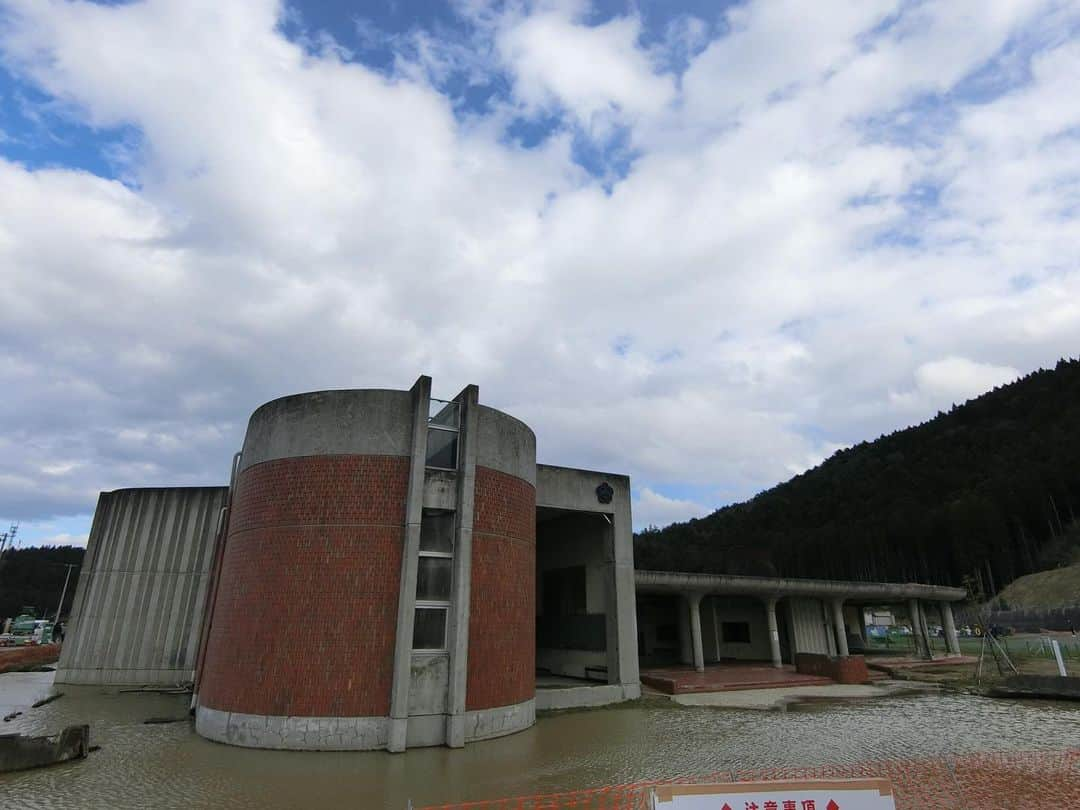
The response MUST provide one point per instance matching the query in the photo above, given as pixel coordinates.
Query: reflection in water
(167, 766)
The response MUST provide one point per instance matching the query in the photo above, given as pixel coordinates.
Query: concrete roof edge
(781, 586)
(510, 416)
(604, 473)
(299, 394)
(163, 488)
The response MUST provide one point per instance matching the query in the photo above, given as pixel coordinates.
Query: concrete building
(367, 580)
(698, 619)
(388, 570)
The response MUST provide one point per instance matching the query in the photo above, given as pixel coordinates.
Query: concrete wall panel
(349, 422)
(568, 488)
(428, 676)
(735, 609)
(506, 444)
(573, 663)
(143, 582)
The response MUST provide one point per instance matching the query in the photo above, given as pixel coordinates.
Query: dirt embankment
(17, 659)
(1058, 587)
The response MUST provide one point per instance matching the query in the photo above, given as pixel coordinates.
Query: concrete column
(458, 629)
(410, 554)
(686, 647)
(951, 640)
(694, 600)
(838, 626)
(774, 633)
(611, 604)
(622, 543)
(922, 644)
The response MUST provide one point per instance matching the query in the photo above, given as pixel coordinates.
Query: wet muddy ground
(169, 766)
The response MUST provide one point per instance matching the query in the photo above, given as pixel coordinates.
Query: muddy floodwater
(169, 766)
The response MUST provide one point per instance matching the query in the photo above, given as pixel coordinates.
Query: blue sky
(706, 244)
(41, 131)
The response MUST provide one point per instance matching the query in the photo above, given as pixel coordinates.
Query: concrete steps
(681, 681)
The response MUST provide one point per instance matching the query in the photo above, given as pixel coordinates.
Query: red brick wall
(307, 603)
(842, 670)
(502, 623)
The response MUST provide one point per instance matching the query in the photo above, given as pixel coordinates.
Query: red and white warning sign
(815, 794)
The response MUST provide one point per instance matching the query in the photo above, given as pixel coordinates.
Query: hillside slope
(982, 494)
(1053, 588)
(34, 577)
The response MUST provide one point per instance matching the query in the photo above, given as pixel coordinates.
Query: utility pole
(63, 593)
(7, 540)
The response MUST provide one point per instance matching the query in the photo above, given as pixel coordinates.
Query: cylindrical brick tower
(502, 627)
(375, 585)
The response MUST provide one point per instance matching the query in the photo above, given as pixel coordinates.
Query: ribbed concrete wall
(808, 627)
(142, 587)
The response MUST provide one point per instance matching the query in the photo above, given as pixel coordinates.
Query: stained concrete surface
(783, 697)
(20, 752)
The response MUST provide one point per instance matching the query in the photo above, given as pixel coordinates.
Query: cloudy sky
(707, 243)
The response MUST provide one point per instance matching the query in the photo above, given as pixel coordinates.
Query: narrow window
(442, 437)
(434, 579)
(437, 531)
(429, 628)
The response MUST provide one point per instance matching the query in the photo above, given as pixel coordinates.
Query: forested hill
(34, 577)
(980, 495)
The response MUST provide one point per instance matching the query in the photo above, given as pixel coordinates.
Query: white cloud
(956, 379)
(767, 268)
(598, 72)
(63, 539)
(60, 467)
(652, 508)
(775, 49)
(811, 460)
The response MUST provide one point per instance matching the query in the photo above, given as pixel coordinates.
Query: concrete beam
(458, 631)
(765, 587)
(410, 553)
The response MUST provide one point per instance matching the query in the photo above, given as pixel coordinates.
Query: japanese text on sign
(826, 794)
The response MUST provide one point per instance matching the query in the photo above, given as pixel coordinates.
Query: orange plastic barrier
(984, 781)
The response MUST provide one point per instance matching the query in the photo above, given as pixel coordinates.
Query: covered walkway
(816, 616)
